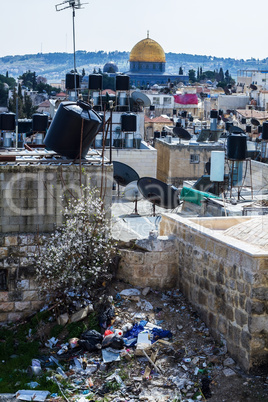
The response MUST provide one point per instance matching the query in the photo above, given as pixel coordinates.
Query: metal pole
(74, 54)
(17, 118)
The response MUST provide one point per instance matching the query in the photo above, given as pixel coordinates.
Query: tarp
(186, 99)
(195, 196)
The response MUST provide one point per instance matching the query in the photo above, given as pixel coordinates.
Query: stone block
(257, 307)
(200, 241)
(152, 258)
(241, 318)
(13, 317)
(30, 295)
(222, 325)
(3, 317)
(260, 293)
(240, 287)
(22, 306)
(11, 241)
(229, 312)
(258, 323)
(6, 306)
(3, 297)
(3, 252)
(132, 257)
(202, 298)
(36, 305)
(245, 340)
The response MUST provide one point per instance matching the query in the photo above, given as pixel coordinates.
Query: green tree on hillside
(3, 95)
(29, 79)
(192, 77)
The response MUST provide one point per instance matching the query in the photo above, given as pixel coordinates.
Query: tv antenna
(75, 5)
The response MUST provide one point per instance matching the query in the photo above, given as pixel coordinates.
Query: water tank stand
(234, 177)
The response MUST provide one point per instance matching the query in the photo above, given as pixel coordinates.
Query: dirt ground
(219, 378)
(185, 365)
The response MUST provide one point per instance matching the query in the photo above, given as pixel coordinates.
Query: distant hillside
(54, 66)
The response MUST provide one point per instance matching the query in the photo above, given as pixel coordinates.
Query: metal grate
(3, 279)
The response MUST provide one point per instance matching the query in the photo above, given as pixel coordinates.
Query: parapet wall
(226, 281)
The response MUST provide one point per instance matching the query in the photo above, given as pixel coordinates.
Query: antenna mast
(74, 4)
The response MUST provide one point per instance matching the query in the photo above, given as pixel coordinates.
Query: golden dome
(147, 50)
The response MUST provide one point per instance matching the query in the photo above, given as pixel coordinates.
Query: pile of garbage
(157, 350)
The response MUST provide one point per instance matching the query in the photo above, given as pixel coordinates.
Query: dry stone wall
(228, 285)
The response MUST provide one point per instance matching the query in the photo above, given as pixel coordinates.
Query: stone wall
(20, 297)
(31, 196)
(154, 266)
(31, 207)
(226, 281)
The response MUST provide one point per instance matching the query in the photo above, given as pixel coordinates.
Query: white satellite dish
(132, 193)
(140, 98)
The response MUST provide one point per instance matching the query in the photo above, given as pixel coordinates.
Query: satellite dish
(132, 192)
(159, 193)
(236, 129)
(141, 99)
(124, 174)
(253, 87)
(255, 122)
(181, 133)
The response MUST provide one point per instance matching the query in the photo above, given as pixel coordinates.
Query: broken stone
(146, 291)
(81, 314)
(228, 362)
(63, 319)
(228, 372)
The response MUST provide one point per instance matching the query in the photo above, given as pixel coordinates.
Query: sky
(227, 28)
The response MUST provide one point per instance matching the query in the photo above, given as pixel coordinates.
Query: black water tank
(178, 123)
(191, 118)
(248, 129)
(122, 83)
(71, 79)
(64, 133)
(184, 114)
(213, 114)
(40, 122)
(24, 126)
(163, 133)
(8, 121)
(265, 130)
(95, 81)
(174, 112)
(152, 107)
(259, 129)
(244, 120)
(220, 112)
(156, 134)
(237, 146)
(228, 124)
(128, 122)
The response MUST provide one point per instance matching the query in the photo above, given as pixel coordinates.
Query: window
(167, 101)
(156, 100)
(194, 158)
